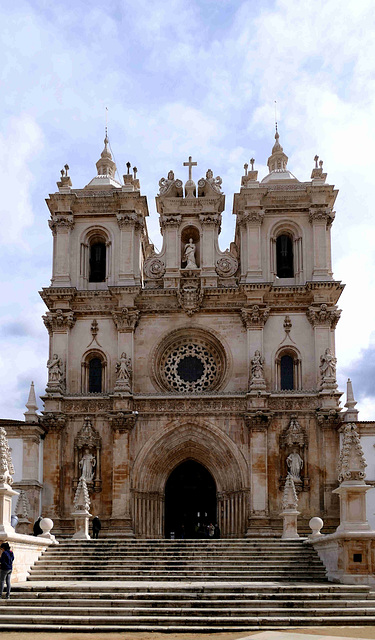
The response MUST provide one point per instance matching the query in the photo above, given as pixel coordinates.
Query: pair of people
(6, 566)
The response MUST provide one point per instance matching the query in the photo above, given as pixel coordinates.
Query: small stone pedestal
(6, 495)
(352, 494)
(289, 524)
(81, 524)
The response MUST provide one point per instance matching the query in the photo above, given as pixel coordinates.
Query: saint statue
(87, 464)
(55, 369)
(328, 364)
(124, 371)
(257, 366)
(295, 464)
(189, 255)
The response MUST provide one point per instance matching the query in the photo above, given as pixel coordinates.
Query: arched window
(284, 257)
(288, 370)
(95, 375)
(97, 262)
(286, 373)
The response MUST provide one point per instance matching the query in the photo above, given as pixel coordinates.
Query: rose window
(190, 364)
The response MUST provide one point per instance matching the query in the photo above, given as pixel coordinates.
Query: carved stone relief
(153, 268)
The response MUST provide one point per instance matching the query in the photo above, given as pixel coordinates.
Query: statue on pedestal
(189, 255)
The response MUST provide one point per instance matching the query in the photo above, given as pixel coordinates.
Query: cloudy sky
(182, 78)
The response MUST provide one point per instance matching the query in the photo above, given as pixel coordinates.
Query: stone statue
(257, 366)
(87, 464)
(55, 369)
(295, 464)
(328, 365)
(124, 371)
(189, 255)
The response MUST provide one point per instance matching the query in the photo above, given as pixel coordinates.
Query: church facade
(185, 385)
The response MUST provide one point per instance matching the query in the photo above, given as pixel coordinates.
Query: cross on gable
(190, 164)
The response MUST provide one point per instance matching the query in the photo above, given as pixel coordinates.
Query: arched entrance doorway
(190, 500)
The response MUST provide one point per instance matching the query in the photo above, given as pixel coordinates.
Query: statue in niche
(124, 371)
(294, 463)
(328, 364)
(257, 366)
(87, 465)
(55, 369)
(189, 255)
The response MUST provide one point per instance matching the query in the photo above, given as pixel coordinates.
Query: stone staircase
(182, 585)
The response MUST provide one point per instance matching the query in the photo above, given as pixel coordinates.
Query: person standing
(37, 529)
(6, 566)
(96, 526)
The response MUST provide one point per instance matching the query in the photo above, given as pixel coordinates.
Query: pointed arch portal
(171, 470)
(190, 500)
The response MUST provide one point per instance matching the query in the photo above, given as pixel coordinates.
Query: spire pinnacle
(277, 163)
(31, 405)
(351, 414)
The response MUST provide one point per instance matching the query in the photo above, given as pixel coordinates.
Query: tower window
(286, 373)
(97, 262)
(284, 257)
(95, 375)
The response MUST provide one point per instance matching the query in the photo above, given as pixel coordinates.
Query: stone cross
(190, 164)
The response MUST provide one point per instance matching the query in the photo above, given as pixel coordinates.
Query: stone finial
(6, 464)
(352, 462)
(190, 188)
(290, 499)
(22, 509)
(105, 165)
(65, 182)
(81, 498)
(278, 160)
(316, 524)
(32, 407)
(351, 414)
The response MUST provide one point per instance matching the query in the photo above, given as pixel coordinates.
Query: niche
(190, 248)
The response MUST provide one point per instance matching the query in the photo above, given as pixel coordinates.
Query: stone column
(131, 225)
(321, 219)
(53, 496)
(251, 253)
(210, 226)
(126, 321)
(122, 423)
(61, 225)
(254, 317)
(59, 323)
(170, 225)
(323, 318)
(258, 431)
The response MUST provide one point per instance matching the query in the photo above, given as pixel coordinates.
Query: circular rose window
(189, 363)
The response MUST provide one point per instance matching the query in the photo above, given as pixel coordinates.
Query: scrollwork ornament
(226, 266)
(154, 268)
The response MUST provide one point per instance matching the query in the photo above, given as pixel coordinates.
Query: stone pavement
(317, 633)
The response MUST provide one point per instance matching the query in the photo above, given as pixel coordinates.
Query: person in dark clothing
(37, 529)
(96, 526)
(6, 566)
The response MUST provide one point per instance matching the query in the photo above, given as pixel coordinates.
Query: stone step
(152, 622)
(162, 612)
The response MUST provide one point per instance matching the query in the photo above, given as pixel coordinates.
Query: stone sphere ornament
(46, 524)
(316, 525)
